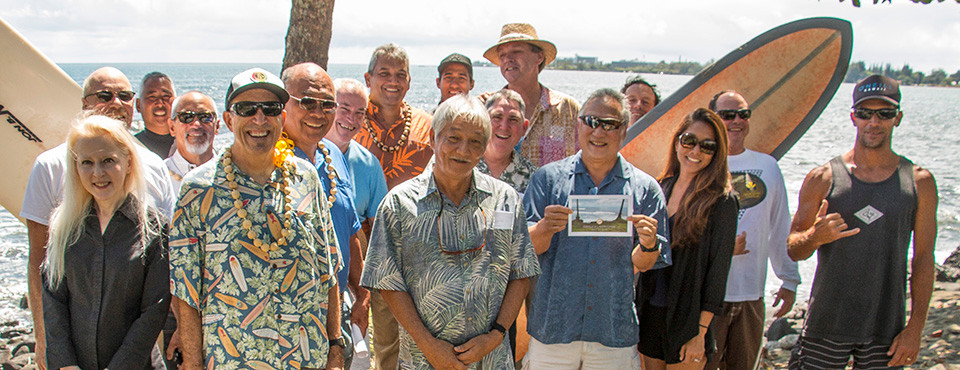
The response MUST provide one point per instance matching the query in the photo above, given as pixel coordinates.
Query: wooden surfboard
(37, 103)
(788, 75)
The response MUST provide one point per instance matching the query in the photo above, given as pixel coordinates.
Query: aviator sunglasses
(309, 104)
(864, 113)
(105, 96)
(729, 114)
(249, 108)
(187, 117)
(689, 140)
(608, 124)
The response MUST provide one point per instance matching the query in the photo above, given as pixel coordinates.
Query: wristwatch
(496, 326)
(654, 249)
(339, 342)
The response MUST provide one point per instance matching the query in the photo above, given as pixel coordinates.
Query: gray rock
(779, 328)
(947, 273)
(954, 259)
(788, 341)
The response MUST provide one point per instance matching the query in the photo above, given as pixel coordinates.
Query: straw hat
(521, 32)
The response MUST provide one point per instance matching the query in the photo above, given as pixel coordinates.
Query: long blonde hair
(67, 220)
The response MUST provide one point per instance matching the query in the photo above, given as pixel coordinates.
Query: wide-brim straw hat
(521, 32)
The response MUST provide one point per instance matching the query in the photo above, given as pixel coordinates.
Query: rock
(788, 341)
(947, 273)
(937, 334)
(954, 328)
(954, 259)
(24, 303)
(779, 328)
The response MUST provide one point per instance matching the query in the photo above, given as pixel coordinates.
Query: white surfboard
(37, 103)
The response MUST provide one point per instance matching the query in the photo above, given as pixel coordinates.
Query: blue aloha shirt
(457, 296)
(258, 309)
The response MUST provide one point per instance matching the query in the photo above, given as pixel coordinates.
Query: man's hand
(41, 354)
(335, 358)
(360, 316)
(174, 344)
(740, 245)
(905, 347)
(646, 228)
(441, 355)
(830, 227)
(477, 347)
(788, 297)
(555, 218)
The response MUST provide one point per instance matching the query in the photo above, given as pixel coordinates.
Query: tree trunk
(308, 37)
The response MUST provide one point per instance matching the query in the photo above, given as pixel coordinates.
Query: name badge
(503, 220)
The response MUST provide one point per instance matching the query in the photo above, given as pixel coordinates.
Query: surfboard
(787, 75)
(38, 100)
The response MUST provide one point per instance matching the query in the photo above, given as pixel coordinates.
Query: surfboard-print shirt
(586, 290)
(113, 299)
(408, 161)
(258, 308)
(517, 174)
(426, 246)
(552, 134)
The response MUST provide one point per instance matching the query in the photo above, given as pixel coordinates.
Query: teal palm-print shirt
(258, 309)
(517, 174)
(457, 296)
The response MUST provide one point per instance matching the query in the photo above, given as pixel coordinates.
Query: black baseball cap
(456, 58)
(877, 87)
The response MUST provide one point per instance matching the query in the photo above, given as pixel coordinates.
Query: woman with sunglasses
(675, 305)
(106, 290)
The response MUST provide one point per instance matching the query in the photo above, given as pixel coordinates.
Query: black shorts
(816, 353)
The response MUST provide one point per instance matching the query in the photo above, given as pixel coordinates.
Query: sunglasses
(689, 140)
(609, 124)
(457, 252)
(309, 104)
(249, 108)
(729, 114)
(106, 96)
(187, 117)
(864, 113)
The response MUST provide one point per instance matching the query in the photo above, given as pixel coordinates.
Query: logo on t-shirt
(868, 214)
(751, 190)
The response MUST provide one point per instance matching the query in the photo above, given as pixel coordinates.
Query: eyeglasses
(609, 124)
(308, 103)
(105, 96)
(689, 140)
(249, 108)
(187, 117)
(729, 114)
(864, 113)
(459, 252)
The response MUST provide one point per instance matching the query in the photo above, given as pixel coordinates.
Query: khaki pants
(739, 335)
(386, 341)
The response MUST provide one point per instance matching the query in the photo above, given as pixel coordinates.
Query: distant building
(585, 60)
(626, 64)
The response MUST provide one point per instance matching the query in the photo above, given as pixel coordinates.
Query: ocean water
(929, 135)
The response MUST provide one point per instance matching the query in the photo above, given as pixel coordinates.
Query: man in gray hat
(455, 76)
(858, 213)
(521, 55)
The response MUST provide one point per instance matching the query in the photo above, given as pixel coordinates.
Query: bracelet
(703, 326)
(654, 249)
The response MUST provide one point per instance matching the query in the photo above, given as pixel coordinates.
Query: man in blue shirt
(582, 312)
(310, 111)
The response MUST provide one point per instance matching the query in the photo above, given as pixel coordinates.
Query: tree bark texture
(308, 36)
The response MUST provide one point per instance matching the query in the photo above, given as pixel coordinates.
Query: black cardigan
(698, 276)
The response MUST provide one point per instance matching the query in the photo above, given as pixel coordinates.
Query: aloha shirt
(457, 296)
(517, 174)
(552, 134)
(258, 309)
(408, 161)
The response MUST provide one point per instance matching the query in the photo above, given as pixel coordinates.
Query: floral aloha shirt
(457, 296)
(259, 309)
(517, 174)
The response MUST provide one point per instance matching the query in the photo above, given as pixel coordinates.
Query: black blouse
(112, 302)
(697, 280)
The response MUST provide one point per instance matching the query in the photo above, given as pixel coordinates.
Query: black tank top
(859, 291)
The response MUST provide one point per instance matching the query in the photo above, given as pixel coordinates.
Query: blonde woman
(106, 275)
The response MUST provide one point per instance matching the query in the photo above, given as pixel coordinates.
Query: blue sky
(112, 31)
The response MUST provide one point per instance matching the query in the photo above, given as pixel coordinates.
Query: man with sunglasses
(450, 253)
(194, 126)
(582, 313)
(858, 212)
(762, 230)
(106, 91)
(155, 103)
(311, 109)
(252, 251)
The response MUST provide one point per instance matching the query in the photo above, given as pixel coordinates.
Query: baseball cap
(877, 87)
(255, 78)
(456, 58)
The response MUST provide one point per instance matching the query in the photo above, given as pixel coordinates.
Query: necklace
(405, 112)
(247, 225)
(331, 174)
